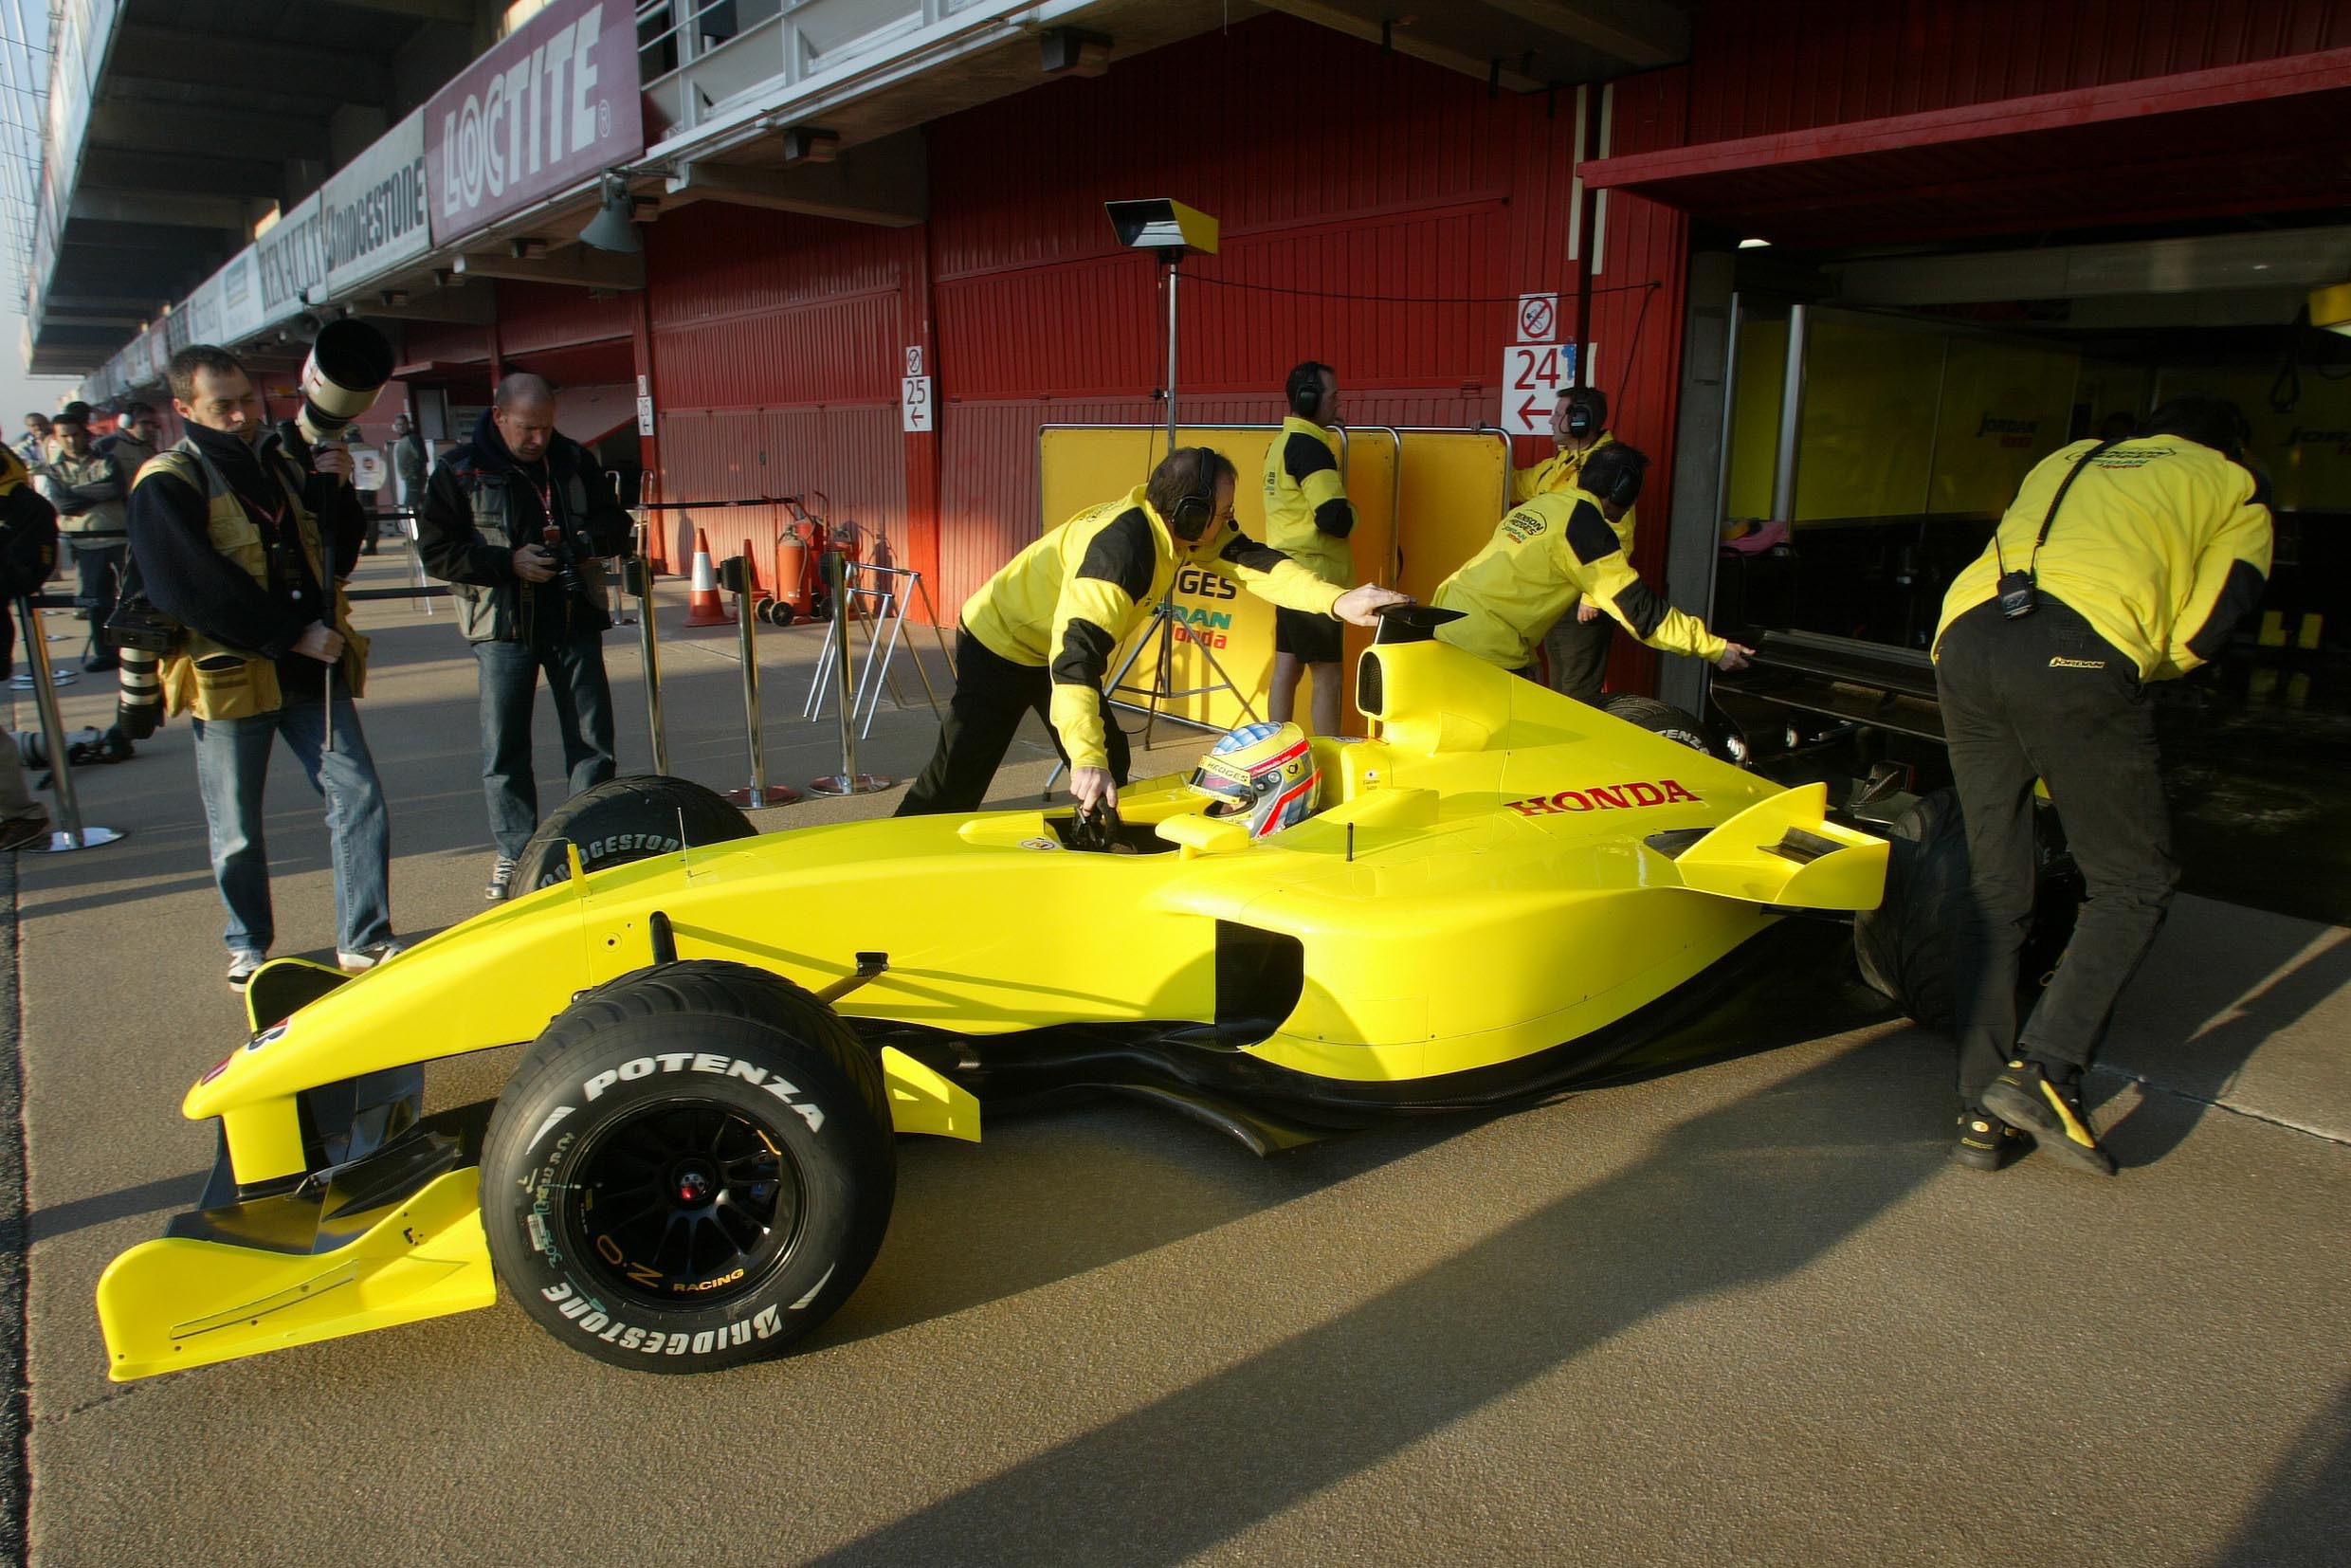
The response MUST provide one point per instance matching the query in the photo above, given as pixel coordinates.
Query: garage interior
(1965, 294)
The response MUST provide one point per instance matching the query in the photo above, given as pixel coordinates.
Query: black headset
(1196, 509)
(1587, 410)
(1628, 487)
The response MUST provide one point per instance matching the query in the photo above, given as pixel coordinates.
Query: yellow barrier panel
(1456, 488)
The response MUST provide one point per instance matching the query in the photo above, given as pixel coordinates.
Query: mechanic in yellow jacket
(2119, 564)
(1556, 549)
(1038, 636)
(1308, 519)
(1577, 644)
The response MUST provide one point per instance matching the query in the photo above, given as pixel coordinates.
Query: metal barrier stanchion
(72, 835)
(639, 572)
(849, 780)
(735, 580)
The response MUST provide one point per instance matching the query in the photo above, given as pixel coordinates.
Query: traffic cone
(751, 570)
(703, 607)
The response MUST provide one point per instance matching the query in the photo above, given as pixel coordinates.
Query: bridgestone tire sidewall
(1661, 718)
(626, 820)
(825, 1127)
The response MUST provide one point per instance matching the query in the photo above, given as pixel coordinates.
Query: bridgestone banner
(548, 109)
(374, 208)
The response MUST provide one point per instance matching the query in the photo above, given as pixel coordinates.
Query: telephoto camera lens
(140, 711)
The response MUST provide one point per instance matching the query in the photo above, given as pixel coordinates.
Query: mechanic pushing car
(1556, 550)
(2119, 564)
(1038, 636)
(1577, 646)
(1309, 518)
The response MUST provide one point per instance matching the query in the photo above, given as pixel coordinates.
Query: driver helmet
(1263, 771)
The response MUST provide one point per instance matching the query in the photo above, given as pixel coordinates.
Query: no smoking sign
(1539, 317)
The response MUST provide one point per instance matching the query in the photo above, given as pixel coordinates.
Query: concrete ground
(1745, 1313)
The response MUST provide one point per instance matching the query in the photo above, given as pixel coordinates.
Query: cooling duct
(341, 379)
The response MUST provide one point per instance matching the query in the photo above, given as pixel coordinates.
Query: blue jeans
(232, 764)
(583, 704)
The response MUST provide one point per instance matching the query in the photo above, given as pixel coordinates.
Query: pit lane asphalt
(1743, 1313)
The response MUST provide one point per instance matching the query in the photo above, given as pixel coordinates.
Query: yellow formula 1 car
(1505, 893)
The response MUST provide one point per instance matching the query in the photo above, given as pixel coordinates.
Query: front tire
(691, 1169)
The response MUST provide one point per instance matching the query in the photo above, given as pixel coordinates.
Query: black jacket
(197, 586)
(457, 550)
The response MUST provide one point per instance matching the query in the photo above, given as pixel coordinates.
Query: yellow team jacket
(1541, 558)
(1068, 601)
(1307, 514)
(1557, 474)
(2161, 547)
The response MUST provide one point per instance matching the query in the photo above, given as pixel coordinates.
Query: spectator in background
(408, 466)
(86, 487)
(135, 440)
(34, 448)
(27, 556)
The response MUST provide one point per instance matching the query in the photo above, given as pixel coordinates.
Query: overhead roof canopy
(207, 113)
(2262, 137)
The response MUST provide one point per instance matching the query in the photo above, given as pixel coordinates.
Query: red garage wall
(1378, 212)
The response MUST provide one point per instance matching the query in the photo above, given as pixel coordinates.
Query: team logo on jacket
(1603, 797)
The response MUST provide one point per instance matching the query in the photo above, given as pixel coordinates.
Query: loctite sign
(550, 108)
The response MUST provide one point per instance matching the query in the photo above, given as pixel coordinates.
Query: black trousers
(2045, 696)
(1578, 654)
(992, 695)
(100, 574)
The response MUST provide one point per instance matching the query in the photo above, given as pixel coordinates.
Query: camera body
(138, 626)
(2021, 595)
(567, 573)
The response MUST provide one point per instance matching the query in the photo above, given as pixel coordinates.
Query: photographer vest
(210, 679)
(495, 614)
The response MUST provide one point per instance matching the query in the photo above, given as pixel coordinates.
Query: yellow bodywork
(1505, 871)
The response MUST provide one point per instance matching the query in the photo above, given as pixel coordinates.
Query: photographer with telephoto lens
(516, 522)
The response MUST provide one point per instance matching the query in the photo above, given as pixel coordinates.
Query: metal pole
(73, 835)
(760, 791)
(640, 579)
(849, 780)
(1174, 269)
(1791, 415)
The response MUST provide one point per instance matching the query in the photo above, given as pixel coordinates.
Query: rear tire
(625, 820)
(1909, 946)
(1660, 719)
(691, 1169)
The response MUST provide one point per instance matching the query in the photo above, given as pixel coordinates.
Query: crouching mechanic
(1308, 519)
(1038, 636)
(2119, 564)
(245, 550)
(1555, 549)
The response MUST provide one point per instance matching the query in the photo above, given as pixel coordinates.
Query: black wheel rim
(687, 1203)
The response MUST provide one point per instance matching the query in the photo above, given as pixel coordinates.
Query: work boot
(501, 878)
(1985, 1143)
(2048, 1111)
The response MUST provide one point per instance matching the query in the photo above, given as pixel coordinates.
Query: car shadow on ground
(2306, 1517)
(1735, 1198)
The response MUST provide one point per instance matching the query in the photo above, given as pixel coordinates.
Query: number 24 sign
(1533, 375)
